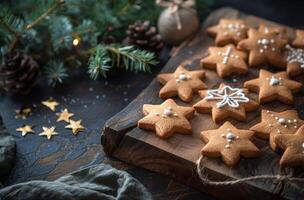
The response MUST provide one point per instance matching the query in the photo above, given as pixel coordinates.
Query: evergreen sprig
(99, 63)
(107, 57)
(55, 72)
(134, 59)
(11, 23)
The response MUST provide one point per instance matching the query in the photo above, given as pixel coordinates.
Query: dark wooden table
(96, 101)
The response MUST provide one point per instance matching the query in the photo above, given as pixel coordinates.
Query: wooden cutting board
(176, 157)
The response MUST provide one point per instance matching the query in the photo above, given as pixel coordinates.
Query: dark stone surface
(94, 102)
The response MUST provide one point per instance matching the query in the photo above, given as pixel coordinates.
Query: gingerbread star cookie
(264, 48)
(273, 86)
(299, 40)
(281, 32)
(276, 123)
(166, 119)
(182, 83)
(295, 61)
(293, 146)
(228, 31)
(226, 60)
(225, 102)
(229, 143)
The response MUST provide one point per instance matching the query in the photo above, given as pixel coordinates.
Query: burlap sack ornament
(178, 21)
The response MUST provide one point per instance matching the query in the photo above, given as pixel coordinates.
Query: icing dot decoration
(265, 44)
(274, 81)
(284, 122)
(227, 96)
(233, 28)
(168, 112)
(182, 77)
(264, 41)
(227, 55)
(230, 137)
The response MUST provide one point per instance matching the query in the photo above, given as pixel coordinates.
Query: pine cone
(144, 36)
(18, 72)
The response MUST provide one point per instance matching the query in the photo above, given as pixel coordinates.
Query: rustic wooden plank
(177, 156)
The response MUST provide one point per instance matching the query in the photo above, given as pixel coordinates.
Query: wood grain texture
(177, 156)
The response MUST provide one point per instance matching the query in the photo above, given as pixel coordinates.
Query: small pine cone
(18, 72)
(144, 36)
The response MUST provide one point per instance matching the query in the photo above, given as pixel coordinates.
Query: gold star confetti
(25, 130)
(75, 126)
(51, 104)
(48, 132)
(23, 113)
(64, 116)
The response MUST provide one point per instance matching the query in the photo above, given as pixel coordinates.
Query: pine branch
(61, 29)
(87, 31)
(7, 27)
(53, 7)
(55, 72)
(107, 57)
(99, 63)
(133, 59)
(10, 22)
(127, 6)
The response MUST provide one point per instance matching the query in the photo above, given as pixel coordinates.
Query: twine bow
(174, 6)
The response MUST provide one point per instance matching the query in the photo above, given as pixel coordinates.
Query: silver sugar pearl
(282, 120)
(182, 77)
(230, 136)
(168, 112)
(265, 41)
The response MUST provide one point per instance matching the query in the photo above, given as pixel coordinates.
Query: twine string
(279, 177)
(174, 6)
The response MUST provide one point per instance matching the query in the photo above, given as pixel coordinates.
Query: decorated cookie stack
(237, 48)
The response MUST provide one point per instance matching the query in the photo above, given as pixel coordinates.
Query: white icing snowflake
(295, 56)
(227, 96)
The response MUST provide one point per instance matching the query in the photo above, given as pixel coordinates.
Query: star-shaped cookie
(182, 83)
(228, 31)
(299, 40)
(273, 86)
(166, 119)
(276, 123)
(226, 60)
(293, 144)
(264, 48)
(295, 61)
(229, 143)
(225, 102)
